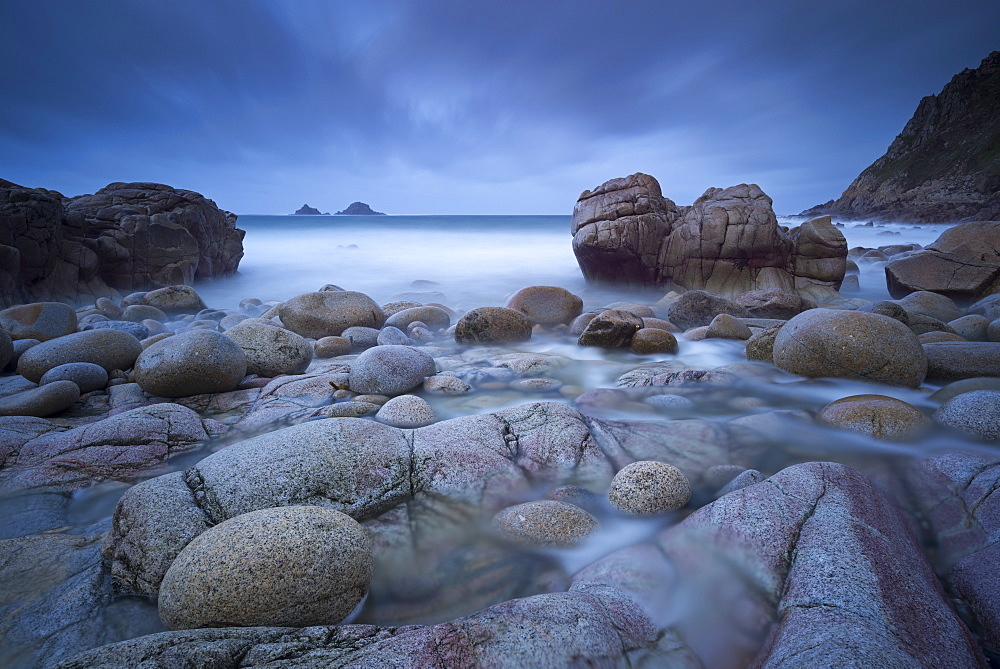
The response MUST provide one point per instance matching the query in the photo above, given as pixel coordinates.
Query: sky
(468, 107)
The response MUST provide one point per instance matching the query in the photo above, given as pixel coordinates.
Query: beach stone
(976, 412)
(890, 309)
(329, 313)
(932, 337)
(284, 566)
(406, 411)
(19, 346)
(86, 375)
(725, 326)
(671, 403)
(697, 307)
(611, 329)
(133, 298)
(648, 341)
(440, 384)
(271, 350)
(392, 308)
(972, 327)
(174, 300)
(760, 345)
(137, 330)
(993, 331)
(390, 370)
(648, 487)
(108, 308)
(851, 345)
(392, 336)
(360, 337)
(545, 523)
(331, 347)
(546, 305)
(877, 416)
(773, 304)
(433, 318)
(747, 477)
(232, 319)
(83, 321)
(6, 348)
(39, 320)
(348, 409)
(581, 322)
(492, 325)
(111, 349)
(953, 360)
(372, 399)
(659, 324)
(716, 476)
(191, 363)
(140, 312)
(577, 496)
(936, 306)
(42, 401)
(922, 324)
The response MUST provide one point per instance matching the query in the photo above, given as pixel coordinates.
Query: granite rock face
(944, 166)
(125, 237)
(728, 242)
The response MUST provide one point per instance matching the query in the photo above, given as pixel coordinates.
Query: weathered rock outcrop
(306, 210)
(359, 209)
(963, 264)
(728, 242)
(945, 164)
(124, 237)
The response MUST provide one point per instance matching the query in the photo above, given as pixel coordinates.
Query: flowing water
(470, 261)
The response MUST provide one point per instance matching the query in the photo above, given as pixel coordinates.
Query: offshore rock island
(945, 164)
(359, 209)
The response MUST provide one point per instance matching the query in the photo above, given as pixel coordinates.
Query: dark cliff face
(945, 164)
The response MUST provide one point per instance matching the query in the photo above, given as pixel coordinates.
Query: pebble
(545, 523)
(191, 363)
(390, 370)
(651, 340)
(546, 305)
(492, 325)
(271, 350)
(877, 416)
(111, 349)
(976, 413)
(292, 566)
(41, 401)
(39, 320)
(649, 487)
(331, 347)
(406, 411)
(86, 375)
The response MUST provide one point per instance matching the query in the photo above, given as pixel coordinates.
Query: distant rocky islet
(354, 209)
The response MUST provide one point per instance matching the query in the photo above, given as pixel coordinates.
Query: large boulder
(124, 237)
(328, 313)
(963, 263)
(390, 370)
(546, 305)
(728, 242)
(190, 363)
(850, 345)
(40, 320)
(109, 348)
(271, 350)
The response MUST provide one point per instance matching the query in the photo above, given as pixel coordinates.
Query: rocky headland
(123, 238)
(359, 209)
(755, 469)
(945, 164)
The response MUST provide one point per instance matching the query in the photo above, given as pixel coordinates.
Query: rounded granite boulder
(137, 313)
(191, 363)
(86, 375)
(328, 313)
(976, 413)
(546, 305)
(648, 341)
(271, 350)
(111, 349)
(406, 411)
(390, 370)
(293, 566)
(175, 300)
(649, 487)
(435, 318)
(878, 416)
(545, 523)
(39, 320)
(6, 348)
(330, 347)
(613, 328)
(850, 345)
(41, 401)
(492, 325)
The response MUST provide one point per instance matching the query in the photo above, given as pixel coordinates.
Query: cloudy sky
(460, 106)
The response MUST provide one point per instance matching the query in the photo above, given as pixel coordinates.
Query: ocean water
(461, 261)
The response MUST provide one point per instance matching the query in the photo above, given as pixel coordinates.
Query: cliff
(945, 164)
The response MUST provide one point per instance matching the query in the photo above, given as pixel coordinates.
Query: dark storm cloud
(468, 106)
